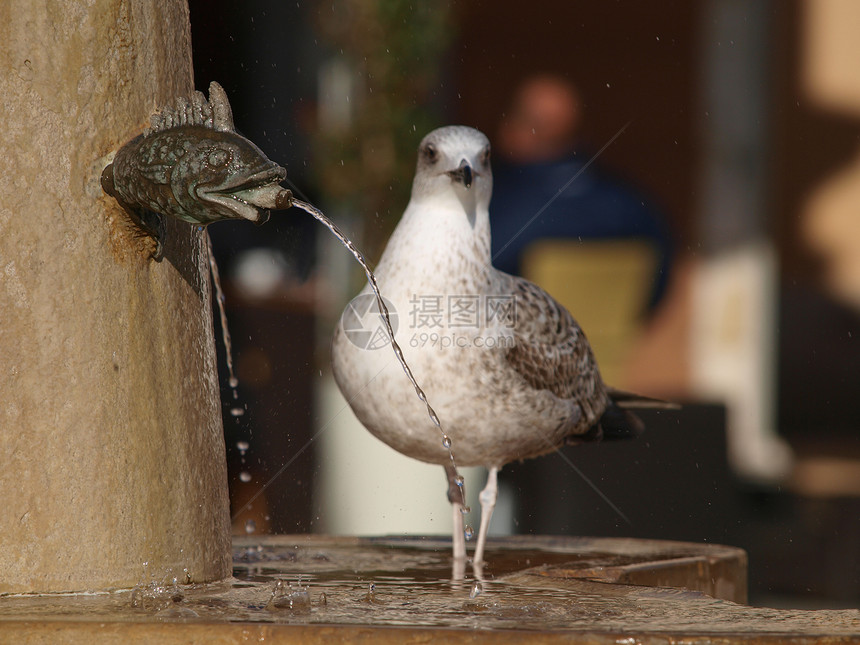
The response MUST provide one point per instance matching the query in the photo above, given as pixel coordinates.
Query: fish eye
(217, 158)
(430, 153)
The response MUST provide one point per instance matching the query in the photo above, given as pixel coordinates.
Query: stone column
(112, 466)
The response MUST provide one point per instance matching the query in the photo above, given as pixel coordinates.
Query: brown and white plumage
(505, 388)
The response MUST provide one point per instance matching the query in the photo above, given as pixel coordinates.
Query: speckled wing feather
(551, 352)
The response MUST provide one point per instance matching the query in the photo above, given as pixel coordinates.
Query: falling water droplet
(477, 590)
(243, 446)
(251, 526)
(446, 442)
(465, 510)
(459, 481)
(234, 382)
(468, 532)
(237, 411)
(245, 476)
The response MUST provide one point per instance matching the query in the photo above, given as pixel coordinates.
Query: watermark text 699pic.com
(444, 341)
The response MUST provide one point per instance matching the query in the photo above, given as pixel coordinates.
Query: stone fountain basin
(380, 590)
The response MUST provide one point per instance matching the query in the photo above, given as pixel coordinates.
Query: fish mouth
(250, 196)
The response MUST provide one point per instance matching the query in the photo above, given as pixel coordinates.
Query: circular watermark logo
(363, 324)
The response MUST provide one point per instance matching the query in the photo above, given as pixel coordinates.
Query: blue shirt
(594, 205)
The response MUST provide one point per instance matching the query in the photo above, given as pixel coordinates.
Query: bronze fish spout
(192, 165)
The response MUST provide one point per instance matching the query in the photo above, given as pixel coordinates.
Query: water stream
(236, 410)
(398, 352)
(284, 199)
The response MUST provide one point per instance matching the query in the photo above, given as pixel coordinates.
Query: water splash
(477, 590)
(155, 596)
(295, 599)
(370, 596)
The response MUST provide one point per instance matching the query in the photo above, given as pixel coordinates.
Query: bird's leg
(459, 536)
(488, 503)
(455, 496)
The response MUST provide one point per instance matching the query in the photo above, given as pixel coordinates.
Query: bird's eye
(485, 156)
(430, 153)
(218, 158)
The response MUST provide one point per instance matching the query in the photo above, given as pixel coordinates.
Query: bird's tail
(618, 422)
(630, 401)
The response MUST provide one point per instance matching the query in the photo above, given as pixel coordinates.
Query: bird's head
(454, 163)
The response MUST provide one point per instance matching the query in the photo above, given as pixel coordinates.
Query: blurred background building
(736, 122)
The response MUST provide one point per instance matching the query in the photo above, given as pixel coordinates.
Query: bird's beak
(464, 173)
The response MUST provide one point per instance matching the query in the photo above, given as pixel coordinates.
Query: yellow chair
(605, 284)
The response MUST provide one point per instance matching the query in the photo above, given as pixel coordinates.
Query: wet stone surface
(534, 584)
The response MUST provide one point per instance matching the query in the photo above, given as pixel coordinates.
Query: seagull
(507, 369)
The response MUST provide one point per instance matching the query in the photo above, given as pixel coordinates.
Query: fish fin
(215, 113)
(222, 114)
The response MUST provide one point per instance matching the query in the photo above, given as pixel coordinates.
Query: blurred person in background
(541, 171)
